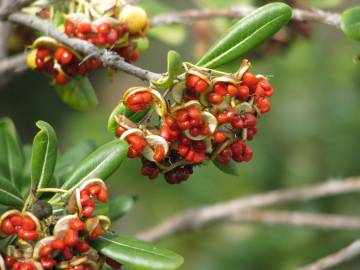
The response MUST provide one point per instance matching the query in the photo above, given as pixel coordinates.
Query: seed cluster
(210, 116)
(60, 242)
(119, 32)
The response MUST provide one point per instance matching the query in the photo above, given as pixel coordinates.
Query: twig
(314, 15)
(10, 6)
(12, 64)
(197, 217)
(108, 58)
(339, 257)
(287, 218)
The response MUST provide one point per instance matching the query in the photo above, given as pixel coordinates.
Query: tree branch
(314, 15)
(108, 58)
(197, 217)
(339, 257)
(287, 218)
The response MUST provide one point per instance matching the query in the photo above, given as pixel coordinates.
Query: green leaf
(70, 159)
(44, 155)
(231, 168)
(247, 34)
(11, 153)
(99, 164)
(135, 254)
(116, 208)
(9, 195)
(174, 69)
(78, 94)
(350, 23)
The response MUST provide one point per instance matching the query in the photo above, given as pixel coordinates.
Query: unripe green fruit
(135, 18)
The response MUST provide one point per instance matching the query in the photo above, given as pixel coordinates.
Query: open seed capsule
(210, 121)
(150, 150)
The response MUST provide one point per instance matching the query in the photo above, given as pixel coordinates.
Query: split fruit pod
(159, 103)
(209, 120)
(151, 151)
(40, 244)
(83, 186)
(62, 225)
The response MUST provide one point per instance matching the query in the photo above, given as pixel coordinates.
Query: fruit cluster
(58, 242)
(120, 29)
(210, 116)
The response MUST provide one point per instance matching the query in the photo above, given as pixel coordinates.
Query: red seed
(27, 235)
(199, 157)
(147, 97)
(119, 131)
(264, 105)
(190, 155)
(215, 98)
(17, 265)
(78, 267)
(220, 89)
(182, 115)
(194, 113)
(250, 80)
(201, 86)
(47, 263)
(71, 238)
(7, 227)
(76, 224)
(28, 224)
(159, 153)
(58, 244)
(219, 137)
(103, 195)
(61, 79)
(112, 36)
(69, 28)
(232, 90)
(194, 131)
(82, 246)
(88, 211)
(16, 220)
(137, 142)
(184, 125)
(10, 261)
(68, 255)
(183, 150)
(191, 81)
(94, 189)
(45, 250)
(84, 27)
(243, 92)
(103, 28)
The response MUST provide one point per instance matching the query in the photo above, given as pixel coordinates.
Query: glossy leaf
(174, 69)
(135, 254)
(70, 159)
(116, 208)
(44, 155)
(231, 168)
(99, 164)
(78, 94)
(11, 153)
(350, 22)
(247, 34)
(9, 195)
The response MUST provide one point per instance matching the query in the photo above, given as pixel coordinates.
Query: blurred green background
(311, 135)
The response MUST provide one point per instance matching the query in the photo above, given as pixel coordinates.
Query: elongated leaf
(99, 164)
(9, 195)
(44, 154)
(247, 34)
(174, 69)
(135, 254)
(78, 94)
(27, 149)
(350, 22)
(70, 159)
(11, 153)
(116, 208)
(230, 168)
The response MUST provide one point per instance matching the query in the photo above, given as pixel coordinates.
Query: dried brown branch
(189, 16)
(287, 218)
(343, 255)
(10, 6)
(198, 217)
(108, 58)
